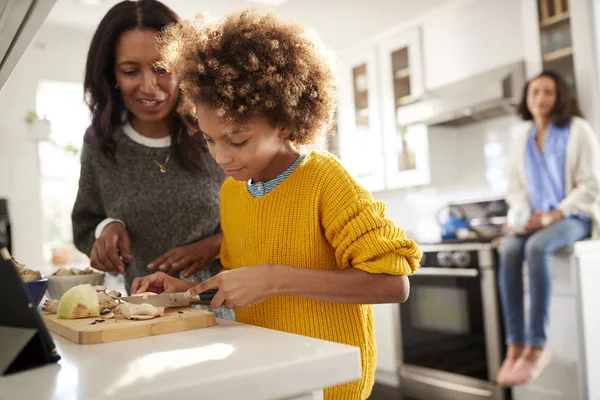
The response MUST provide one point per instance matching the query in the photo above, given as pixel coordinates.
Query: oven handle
(459, 272)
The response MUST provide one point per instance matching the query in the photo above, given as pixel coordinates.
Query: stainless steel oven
(451, 336)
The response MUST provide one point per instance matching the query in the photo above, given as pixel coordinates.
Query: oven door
(443, 322)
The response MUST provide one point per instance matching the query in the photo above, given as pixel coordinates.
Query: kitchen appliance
(490, 94)
(451, 332)
(456, 221)
(19, 22)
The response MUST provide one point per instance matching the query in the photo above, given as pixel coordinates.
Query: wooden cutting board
(90, 331)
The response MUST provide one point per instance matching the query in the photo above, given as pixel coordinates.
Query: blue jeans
(536, 248)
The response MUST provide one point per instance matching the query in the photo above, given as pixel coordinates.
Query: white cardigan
(582, 174)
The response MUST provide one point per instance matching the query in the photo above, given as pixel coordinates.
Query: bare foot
(512, 355)
(529, 366)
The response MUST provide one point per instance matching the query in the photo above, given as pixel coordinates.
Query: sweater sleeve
(88, 210)
(356, 226)
(586, 177)
(517, 195)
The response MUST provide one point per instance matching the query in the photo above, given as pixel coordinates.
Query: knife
(172, 299)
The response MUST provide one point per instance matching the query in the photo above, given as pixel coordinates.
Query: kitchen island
(227, 361)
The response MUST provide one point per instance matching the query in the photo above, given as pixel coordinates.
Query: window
(62, 104)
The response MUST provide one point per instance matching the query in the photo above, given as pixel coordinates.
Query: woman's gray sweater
(161, 211)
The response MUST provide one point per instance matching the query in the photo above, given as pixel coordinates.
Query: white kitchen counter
(227, 361)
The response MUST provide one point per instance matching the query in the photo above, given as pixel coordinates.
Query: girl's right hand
(111, 249)
(159, 282)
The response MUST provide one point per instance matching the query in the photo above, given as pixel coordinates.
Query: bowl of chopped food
(66, 278)
(33, 281)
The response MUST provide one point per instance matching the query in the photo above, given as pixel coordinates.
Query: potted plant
(38, 128)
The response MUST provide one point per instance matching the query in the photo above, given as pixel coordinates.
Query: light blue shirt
(259, 189)
(545, 171)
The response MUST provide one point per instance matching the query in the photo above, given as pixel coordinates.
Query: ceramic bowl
(58, 285)
(36, 290)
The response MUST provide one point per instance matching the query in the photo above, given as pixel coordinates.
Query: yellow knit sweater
(317, 218)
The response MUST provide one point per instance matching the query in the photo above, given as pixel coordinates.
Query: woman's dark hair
(566, 106)
(104, 98)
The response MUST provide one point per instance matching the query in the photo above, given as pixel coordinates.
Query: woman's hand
(551, 217)
(534, 223)
(542, 219)
(111, 249)
(191, 258)
(240, 287)
(159, 282)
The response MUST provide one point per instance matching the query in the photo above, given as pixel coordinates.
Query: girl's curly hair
(253, 64)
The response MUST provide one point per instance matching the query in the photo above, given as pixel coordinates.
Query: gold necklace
(163, 167)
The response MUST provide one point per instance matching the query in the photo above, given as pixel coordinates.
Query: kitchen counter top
(227, 361)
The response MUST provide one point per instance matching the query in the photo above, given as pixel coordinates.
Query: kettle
(457, 220)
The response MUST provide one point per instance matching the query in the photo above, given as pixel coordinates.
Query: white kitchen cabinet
(573, 331)
(560, 36)
(558, 381)
(359, 118)
(386, 318)
(406, 151)
(471, 37)
(374, 81)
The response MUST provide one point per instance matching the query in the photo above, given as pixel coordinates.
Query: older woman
(145, 200)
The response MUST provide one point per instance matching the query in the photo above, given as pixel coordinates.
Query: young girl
(305, 248)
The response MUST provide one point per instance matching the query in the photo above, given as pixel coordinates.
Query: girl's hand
(190, 258)
(159, 282)
(239, 287)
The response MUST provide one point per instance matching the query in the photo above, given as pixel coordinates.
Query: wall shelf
(548, 22)
(557, 55)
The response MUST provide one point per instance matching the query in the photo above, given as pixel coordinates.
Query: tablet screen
(24, 339)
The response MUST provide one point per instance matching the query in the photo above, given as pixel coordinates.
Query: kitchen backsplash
(466, 163)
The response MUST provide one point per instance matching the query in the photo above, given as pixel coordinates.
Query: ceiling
(340, 23)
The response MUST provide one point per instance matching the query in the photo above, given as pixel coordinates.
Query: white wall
(55, 54)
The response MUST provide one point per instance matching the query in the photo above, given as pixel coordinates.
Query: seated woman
(554, 175)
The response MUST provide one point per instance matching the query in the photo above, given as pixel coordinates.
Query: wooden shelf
(554, 19)
(362, 112)
(557, 54)
(402, 74)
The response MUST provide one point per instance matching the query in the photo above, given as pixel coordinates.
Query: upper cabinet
(376, 81)
(401, 74)
(560, 35)
(555, 38)
(469, 37)
(359, 119)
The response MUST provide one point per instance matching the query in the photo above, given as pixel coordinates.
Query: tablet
(24, 339)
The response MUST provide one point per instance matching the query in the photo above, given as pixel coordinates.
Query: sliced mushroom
(138, 311)
(50, 306)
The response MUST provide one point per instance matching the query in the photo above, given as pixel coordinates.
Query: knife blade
(172, 299)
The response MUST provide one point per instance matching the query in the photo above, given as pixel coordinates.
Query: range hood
(19, 22)
(482, 97)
